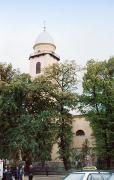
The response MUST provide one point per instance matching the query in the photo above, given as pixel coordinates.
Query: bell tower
(43, 54)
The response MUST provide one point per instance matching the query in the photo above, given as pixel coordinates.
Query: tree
(26, 125)
(79, 155)
(12, 106)
(6, 72)
(59, 82)
(34, 137)
(35, 114)
(6, 75)
(97, 102)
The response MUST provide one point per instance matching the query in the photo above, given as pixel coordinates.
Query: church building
(43, 56)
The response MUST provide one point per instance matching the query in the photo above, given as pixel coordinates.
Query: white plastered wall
(45, 61)
(44, 47)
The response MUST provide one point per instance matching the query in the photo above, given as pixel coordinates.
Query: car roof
(90, 172)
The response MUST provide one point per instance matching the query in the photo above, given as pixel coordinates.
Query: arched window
(80, 133)
(38, 67)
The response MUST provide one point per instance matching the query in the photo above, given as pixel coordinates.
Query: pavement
(50, 177)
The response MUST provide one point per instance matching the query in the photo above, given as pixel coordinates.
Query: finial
(44, 25)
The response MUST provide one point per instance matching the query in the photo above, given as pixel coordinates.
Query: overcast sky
(81, 29)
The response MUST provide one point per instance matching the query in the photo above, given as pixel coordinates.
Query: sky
(81, 29)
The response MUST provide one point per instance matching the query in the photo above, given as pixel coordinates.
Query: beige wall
(54, 154)
(78, 123)
(44, 47)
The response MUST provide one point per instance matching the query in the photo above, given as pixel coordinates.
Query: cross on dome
(44, 27)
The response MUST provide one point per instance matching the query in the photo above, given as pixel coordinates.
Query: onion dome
(44, 38)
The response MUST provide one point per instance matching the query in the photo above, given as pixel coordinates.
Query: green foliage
(79, 155)
(97, 103)
(85, 150)
(6, 72)
(59, 82)
(23, 128)
(34, 135)
(35, 113)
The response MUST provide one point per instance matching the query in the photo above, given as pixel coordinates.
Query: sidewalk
(50, 177)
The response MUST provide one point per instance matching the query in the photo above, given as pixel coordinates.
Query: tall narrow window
(38, 67)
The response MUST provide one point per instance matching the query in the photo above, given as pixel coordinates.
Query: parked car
(112, 177)
(89, 175)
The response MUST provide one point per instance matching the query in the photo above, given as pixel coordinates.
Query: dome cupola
(44, 42)
(44, 37)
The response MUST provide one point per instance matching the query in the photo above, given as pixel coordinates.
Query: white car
(112, 177)
(89, 175)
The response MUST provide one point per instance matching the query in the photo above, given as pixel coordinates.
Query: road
(53, 177)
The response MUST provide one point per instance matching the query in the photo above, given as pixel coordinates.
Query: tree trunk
(64, 149)
(43, 163)
(66, 163)
(64, 146)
